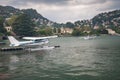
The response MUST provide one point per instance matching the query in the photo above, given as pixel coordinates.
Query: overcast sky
(65, 10)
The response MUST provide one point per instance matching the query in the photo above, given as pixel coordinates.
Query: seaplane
(30, 41)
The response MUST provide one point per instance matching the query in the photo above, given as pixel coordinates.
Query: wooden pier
(24, 48)
(2, 43)
(57, 46)
(11, 49)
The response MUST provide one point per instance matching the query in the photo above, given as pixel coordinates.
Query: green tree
(42, 32)
(59, 30)
(46, 32)
(118, 30)
(104, 31)
(2, 29)
(54, 30)
(23, 26)
(76, 32)
(11, 20)
(69, 24)
(85, 28)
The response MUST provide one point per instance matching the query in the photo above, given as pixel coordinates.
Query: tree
(117, 30)
(103, 31)
(46, 31)
(76, 32)
(54, 30)
(85, 28)
(2, 29)
(59, 30)
(69, 24)
(23, 26)
(12, 19)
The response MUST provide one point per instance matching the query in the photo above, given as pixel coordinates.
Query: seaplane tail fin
(13, 41)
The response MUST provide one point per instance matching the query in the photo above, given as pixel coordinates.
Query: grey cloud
(58, 2)
(113, 4)
(90, 2)
(47, 2)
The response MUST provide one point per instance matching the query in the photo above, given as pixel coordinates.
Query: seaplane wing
(38, 38)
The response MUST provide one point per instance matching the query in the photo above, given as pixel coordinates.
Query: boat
(89, 37)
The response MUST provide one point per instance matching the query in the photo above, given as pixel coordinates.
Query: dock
(23, 48)
(2, 43)
(12, 48)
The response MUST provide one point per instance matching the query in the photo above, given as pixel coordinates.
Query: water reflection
(12, 62)
(4, 67)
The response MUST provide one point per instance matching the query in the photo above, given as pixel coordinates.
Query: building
(8, 28)
(110, 31)
(96, 27)
(66, 30)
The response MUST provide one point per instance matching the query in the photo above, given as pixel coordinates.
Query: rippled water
(76, 59)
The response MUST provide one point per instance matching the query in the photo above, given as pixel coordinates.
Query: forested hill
(8, 11)
(107, 19)
(103, 20)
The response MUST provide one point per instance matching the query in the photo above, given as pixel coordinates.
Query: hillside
(107, 19)
(101, 21)
(8, 11)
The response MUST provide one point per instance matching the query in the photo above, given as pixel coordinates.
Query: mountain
(8, 11)
(107, 19)
(38, 18)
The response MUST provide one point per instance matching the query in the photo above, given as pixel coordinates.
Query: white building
(66, 30)
(110, 31)
(8, 28)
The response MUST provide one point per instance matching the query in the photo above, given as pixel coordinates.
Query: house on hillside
(110, 31)
(8, 28)
(66, 30)
(96, 27)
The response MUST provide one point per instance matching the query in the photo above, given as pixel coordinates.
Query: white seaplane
(33, 41)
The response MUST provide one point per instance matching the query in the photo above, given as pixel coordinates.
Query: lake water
(76, 59)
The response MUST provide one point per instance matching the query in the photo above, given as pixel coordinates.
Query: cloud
(90, 2)
(66, 10)
(5, 2)
(54, 2)
(47, 2)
